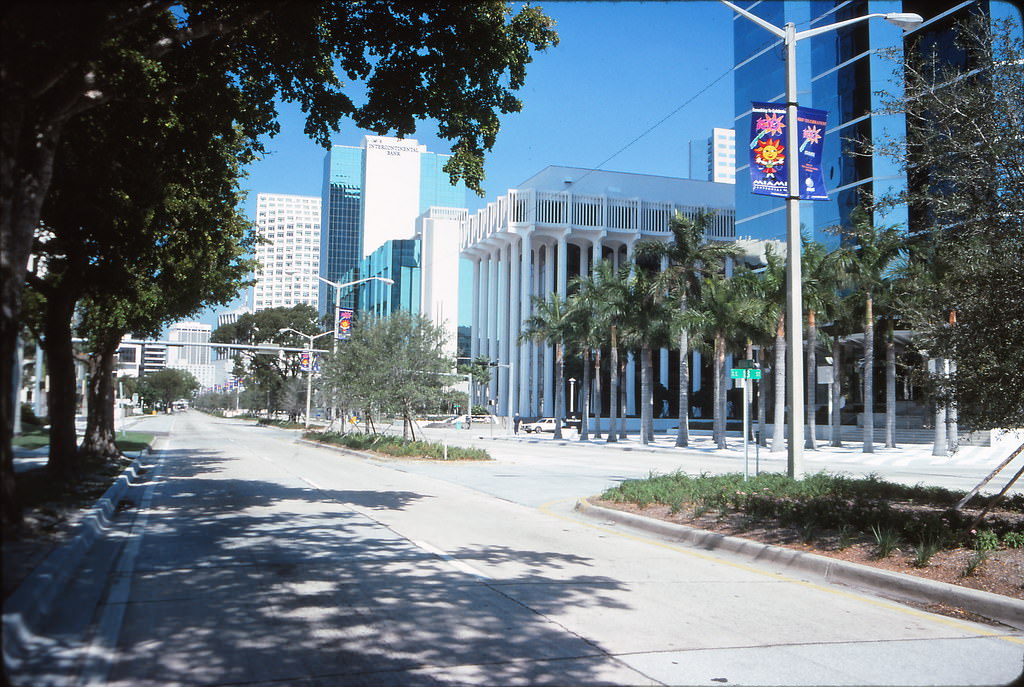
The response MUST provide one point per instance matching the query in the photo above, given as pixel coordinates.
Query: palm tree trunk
(941, 446)
(837, 388)
(719, 392)
(597, 393)
(622, 396)
(585, 398)
(812, 379)
(890, 388)
(683, 433)
(869, 378)
(647, 402)
(762, 401)
(559, 390)
(613, 400)
(779, 429)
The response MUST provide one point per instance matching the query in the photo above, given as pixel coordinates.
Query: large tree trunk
(869, 378)
(837, 388)
(27, 154)
(890, 389)
(812, 379)
(646, 396)
(941, 443)
(62, 399)
(99, 427)
(683, 433)
(779, 429)
(613, 400)
(718, 423)
(597, 393)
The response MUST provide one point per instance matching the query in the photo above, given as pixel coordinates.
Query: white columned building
(557, 225)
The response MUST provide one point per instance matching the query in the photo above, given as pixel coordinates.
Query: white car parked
(546, 424)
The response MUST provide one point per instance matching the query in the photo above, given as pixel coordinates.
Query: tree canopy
(964, 156)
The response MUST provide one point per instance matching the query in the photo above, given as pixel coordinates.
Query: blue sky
(621, 68)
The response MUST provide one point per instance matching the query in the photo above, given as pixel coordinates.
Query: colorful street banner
(768, 170)
(770, 161)
(811, 125)
(344, 328)
(305, 361)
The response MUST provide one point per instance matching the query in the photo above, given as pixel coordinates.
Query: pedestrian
(515, 423)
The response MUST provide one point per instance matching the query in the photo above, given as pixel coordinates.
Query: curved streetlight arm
(904, 20)
(338, 286)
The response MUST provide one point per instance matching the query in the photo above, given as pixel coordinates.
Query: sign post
(745, 374)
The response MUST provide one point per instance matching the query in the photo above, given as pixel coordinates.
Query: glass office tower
(841, 72)
(372, 195)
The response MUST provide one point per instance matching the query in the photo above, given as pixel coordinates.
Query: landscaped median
(878, 526)
(396, 446)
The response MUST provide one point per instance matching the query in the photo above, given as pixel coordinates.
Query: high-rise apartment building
(714, 158)
(195, 359)
(373, 194)
(289, 257)
(841, 72)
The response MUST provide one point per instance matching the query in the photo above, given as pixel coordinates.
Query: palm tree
(772, 294)
(874, 254)
(821, 280)
(646, 326)
(611, 298)
(550, 323)
(690, 255)
(727, 310)
(589, 335)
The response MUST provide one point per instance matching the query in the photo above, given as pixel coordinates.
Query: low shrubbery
(395, 446)
(885, 513)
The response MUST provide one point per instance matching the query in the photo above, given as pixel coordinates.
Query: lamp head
(904, 20)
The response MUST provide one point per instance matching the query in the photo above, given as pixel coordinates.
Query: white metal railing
(561, 209)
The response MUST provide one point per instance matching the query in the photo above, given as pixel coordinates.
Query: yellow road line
(939, 619)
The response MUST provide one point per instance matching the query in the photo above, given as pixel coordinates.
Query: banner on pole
(305, 361)
(344, 325)
(771, 162)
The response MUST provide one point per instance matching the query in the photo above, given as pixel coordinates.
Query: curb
(31, 603)
(883, 582)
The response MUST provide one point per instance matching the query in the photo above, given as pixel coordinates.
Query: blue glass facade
(341, 236)
(397, 260)
(841, 72)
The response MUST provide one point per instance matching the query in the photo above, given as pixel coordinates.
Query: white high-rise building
(714, 158)
(195, 359)
(289, 260)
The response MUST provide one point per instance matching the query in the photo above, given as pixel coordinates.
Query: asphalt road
(248, 558)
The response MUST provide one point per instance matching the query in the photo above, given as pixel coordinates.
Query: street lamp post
(337, 296)
(309, 373)
(572, 395)
(794, 308)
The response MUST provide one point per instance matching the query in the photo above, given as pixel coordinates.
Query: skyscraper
(841, 72)
(714, 158)
(373, 194)
(289, 259)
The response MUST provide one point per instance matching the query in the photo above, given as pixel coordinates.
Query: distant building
(289, 259)
(714, 158)
(195, 359)
(372, 195)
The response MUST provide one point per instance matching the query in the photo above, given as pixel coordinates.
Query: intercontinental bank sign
(393, 148)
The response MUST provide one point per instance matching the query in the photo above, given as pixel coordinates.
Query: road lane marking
(546, 508)
(454, 562)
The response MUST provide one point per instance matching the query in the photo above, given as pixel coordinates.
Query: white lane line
(454, 562)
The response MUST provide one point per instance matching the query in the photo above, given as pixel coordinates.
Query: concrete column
(503, 329)
(549, 349)
(525, 283)
(474, 340)
(492, 318)
(595, 254)
(563, 266)
(515, 346)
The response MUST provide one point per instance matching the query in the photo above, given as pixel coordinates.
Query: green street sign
(736, 373)
(742, 373)
(753, 374)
